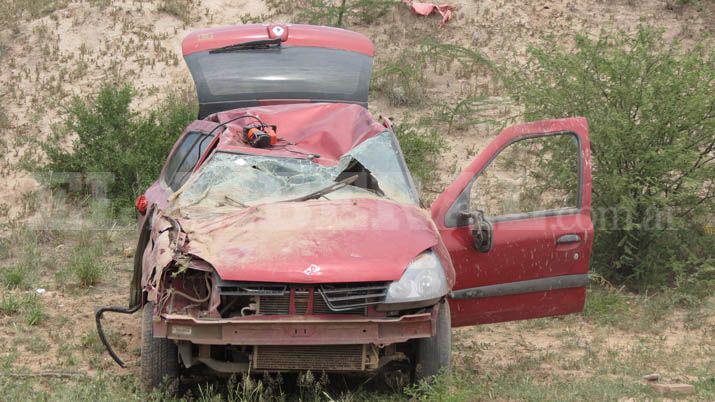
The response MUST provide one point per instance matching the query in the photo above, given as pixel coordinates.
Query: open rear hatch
(250, 65)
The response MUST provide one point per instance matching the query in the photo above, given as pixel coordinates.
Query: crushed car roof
(328, 130)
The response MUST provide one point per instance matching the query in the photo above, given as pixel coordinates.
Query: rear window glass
(281, 73)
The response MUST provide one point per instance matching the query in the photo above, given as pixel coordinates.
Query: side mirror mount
(481, 229)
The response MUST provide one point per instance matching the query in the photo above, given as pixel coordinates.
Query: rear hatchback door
(311, 64)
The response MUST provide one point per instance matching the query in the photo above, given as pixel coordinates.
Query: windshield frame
(409, 194)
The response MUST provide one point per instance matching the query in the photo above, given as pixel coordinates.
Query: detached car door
(517, 224)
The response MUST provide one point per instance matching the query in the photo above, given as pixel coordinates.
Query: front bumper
(296, 329)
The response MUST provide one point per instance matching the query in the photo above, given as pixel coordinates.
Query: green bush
(402, 79)
(651, 112)
(405, 75)
(108, 137)
(420, 147)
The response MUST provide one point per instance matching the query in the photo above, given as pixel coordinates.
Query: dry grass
(184, 10)
(69, 46)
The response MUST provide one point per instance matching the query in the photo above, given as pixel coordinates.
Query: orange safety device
(260, 136)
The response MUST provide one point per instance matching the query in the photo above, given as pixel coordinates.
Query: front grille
(274, 299)
(233, 288)
(341, 297)
(321, 307)
(316, 358)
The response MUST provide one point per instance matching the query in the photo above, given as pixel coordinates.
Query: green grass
(14, 276)
(606, 306)
(401, 79)
(33, 310)
(421, 147)
(90, 341)
(4, 119)
(86, 265)
(9, 305)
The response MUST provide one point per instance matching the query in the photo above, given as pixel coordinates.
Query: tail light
(140, 204)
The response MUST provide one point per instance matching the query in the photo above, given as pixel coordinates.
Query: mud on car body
(311, 251)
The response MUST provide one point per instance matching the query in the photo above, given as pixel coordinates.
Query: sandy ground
(75, 48)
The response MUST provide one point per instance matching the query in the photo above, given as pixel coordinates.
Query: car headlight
(423, 280)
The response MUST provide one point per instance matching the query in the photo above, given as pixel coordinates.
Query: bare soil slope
(70, 47)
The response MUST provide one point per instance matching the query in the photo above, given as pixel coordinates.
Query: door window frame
(461, 203)
(165, 179)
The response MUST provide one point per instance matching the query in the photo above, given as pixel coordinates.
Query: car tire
(160, 356)
(434, 354)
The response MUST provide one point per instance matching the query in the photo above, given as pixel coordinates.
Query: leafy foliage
(110, 138)
(651, 112)
(403, 78)
(420, 146)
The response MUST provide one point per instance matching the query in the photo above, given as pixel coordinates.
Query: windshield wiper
(235, 202)
(329, 189)
(252, 45)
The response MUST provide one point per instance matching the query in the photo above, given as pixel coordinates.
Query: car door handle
(568, 238)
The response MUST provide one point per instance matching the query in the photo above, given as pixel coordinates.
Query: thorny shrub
(651, 112)
(126, 147)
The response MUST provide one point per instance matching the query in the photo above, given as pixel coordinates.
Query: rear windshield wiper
(255, 44)
(329, 189)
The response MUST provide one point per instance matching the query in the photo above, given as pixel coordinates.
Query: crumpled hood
(348, 240)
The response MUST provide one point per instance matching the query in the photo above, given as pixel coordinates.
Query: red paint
(516, 307)
(323, 329)
(141, 204)
(340, 240)
(366, 240)
(294, 35)
(522, 249)
(425, 9)
(326, 129)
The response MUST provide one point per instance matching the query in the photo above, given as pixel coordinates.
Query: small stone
(40, 291)
(673, 388)
(652, 377)
(129, 252)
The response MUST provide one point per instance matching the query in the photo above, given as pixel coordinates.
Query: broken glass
(232, 179)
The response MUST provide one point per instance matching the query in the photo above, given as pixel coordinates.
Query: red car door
(529, 255)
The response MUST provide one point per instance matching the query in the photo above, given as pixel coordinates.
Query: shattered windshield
(231, 179)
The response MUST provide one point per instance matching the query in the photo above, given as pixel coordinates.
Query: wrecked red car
(285, 232)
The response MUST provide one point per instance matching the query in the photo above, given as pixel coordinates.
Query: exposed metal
(319, 358)
(235, 288)
(296, 329)
(347, 297)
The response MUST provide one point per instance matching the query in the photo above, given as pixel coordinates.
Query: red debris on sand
(445, 10)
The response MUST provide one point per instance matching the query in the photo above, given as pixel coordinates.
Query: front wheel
(160, 357)
(433, 354)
